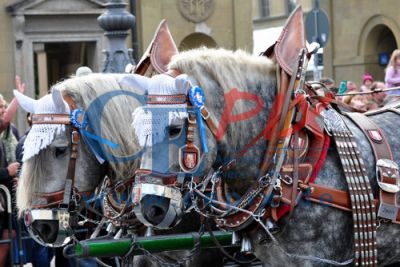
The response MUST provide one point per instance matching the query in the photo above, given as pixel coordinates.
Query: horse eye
(60, 150)
(174, 131)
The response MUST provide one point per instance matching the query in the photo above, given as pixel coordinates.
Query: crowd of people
(371, 94)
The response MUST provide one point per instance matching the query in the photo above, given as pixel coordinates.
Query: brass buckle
(75, 137)
(390, 169)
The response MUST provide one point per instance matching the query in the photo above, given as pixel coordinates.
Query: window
(264, 8)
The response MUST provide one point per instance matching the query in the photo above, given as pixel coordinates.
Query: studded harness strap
(387, 170)
(362, 199)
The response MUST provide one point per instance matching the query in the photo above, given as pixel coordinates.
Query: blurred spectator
(379, 97)
(9, 134)
(366, 82)
(359, 101)
(392, 76)
(8, 167)
(351, 88)
(7, 172)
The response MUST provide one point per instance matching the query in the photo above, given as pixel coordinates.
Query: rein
(378, 90)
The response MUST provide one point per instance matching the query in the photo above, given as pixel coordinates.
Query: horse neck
(245, 123)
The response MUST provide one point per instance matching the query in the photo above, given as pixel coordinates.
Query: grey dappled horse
(313, 230)
(108, 101)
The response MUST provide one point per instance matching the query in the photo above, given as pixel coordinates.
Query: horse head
(163, 127)
(179, 147)
(76, 129)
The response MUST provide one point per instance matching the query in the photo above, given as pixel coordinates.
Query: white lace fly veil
(41, 136)
(148, 124)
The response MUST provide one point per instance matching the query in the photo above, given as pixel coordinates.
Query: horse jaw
(27, 103)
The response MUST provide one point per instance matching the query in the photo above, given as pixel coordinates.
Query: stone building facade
(213, 23)
(363, 33)
(47, 40)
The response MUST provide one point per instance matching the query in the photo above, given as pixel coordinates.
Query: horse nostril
(47, 230)
(44, 229)
(154, 208)
(156, 212)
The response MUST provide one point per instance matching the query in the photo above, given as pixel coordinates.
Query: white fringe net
(42, 135)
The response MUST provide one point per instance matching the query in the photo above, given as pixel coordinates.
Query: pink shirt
(392, 79)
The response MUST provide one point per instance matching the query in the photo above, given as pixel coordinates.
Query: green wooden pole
(154, 244)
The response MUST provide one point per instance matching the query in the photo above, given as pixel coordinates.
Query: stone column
(41, 59)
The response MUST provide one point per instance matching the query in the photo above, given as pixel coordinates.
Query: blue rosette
(197, 99)
(79, 120)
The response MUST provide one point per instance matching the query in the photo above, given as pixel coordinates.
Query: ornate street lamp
(116, 22)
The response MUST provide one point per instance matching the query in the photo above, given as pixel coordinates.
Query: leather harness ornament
(362, 200)
(387, 170)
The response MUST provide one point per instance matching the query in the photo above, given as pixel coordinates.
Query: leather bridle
(61, 197)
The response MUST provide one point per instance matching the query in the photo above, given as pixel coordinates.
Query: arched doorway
(196, 40)
(377, 40)
(380, 43)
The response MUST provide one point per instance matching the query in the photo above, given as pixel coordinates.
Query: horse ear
(136, 82)
(182, 83)
(27, 103)
(58, 100)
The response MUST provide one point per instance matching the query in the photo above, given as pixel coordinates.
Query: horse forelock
(218, 72)
(28, 182)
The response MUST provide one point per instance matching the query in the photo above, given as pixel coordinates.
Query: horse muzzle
(156, 205)
(49, 227)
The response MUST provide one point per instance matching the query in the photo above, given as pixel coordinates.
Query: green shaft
(119, 247)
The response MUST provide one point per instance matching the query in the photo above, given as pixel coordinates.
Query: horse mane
(239, 66)
(217, 72)
(115, 118)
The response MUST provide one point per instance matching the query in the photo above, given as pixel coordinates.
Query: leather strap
(388, 207)
(362, 200)
(166, 99)
(54, 198)
(51, 119)
(209, 121)
(65, 195)
(332, 197)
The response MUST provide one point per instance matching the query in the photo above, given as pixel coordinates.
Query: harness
(61, 197)
(301, 124)
(56, 206)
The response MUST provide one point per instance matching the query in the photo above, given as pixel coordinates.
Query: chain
(258, 219)
(263, 182)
